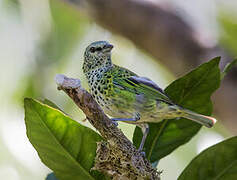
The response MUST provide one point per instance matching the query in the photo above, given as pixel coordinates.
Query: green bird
(125, 96)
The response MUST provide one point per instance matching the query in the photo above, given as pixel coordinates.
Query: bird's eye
(92, 49)
(98, 49)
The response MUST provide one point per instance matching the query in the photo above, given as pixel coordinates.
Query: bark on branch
(161, 32)
(117, 156)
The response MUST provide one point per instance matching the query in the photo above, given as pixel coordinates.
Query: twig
(117, 157)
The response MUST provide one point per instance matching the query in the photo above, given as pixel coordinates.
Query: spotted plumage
(128, 97)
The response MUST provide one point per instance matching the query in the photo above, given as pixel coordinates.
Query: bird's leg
(135, 118)
(145, 131)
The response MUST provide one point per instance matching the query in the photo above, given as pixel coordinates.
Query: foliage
(192, 91)
(216, 162)
(69, 148)
(64, 145)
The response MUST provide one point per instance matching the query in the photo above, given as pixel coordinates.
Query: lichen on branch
(116, 156)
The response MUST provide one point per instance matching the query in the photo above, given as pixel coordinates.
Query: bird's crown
(96, 55)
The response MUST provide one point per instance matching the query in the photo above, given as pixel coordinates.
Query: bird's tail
(201, 119)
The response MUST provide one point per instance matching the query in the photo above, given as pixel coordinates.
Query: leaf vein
(57, 141)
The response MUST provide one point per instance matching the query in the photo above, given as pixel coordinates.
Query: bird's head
(97, 54)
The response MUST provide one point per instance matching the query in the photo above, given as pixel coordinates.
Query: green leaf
(51, 104)
(64, 145)
(228, 68)
(192, 91)
(216, 162)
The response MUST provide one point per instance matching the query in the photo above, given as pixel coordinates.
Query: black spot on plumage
(92, 49)
(133, 80)
(130, 83)
(98, 49)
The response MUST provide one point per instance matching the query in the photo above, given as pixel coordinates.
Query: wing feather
(140, 85)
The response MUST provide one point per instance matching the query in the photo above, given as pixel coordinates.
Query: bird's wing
(140, 85)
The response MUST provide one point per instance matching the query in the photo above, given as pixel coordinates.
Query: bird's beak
(108, 47)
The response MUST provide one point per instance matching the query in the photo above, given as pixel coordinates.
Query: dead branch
(117, 157)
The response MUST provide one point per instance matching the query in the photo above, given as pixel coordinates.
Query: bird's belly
(121, 108)
(152, 115)
(144, 116)
(129, 112)
(116, 112)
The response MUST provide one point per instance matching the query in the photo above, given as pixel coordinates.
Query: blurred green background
(39, 39)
